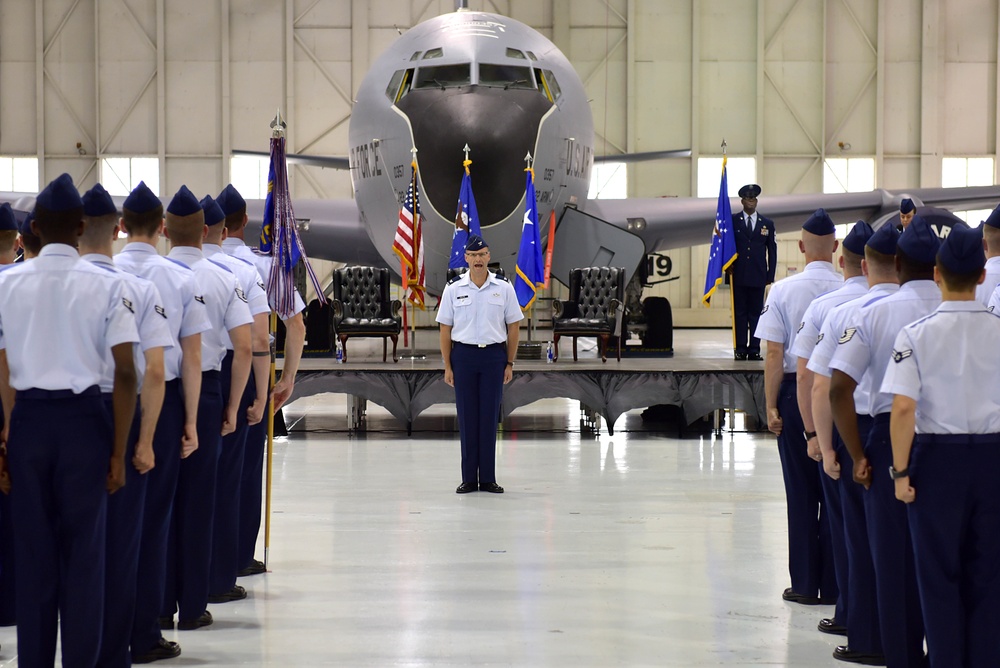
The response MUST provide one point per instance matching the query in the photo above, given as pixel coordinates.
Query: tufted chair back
(362, 306)
(594, 307)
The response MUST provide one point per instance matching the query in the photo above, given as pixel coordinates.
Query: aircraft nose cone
(500, 127)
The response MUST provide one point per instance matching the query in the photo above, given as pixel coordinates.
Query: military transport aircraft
(505, 90)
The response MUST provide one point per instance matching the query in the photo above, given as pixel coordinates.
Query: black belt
(476, 345)
(789, 377)
(957, 439)
(36, 394)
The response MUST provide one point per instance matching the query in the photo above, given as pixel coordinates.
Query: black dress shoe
(491, 487)
(755, 357)
(163, 649)
(166, 623)
(844, 653)
(792, 597)
(190, 624)
(237, 593)
(466, 487)
(255, 568)
(740, 356)
(832, 627)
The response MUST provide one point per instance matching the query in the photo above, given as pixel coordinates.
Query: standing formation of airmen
(133, 387)
(898, 415)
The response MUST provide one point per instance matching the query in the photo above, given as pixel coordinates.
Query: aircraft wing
(673, 222)
(330, 230)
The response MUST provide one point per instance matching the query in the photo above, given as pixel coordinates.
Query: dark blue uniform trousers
(59, 448)
(810, 552)
(227, 491)
(835, 517)
(892, 553)
(189, 550)
(478, 390)
(862, 617)
(954, 521)
(251, 491)
(748, 302)
(8, 616)
(161, 486)
(124, 529)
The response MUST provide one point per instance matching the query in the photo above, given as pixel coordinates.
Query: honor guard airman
(944, 375)
(479, 317)
(854, 285)
(235, 208)
(188, 562)
(225, 535)
(176, 431)
(58, 318)
(810, 556)
(861, 358)
(124, 526)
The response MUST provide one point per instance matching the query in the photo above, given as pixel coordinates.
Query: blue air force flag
(723, 251)
(466, 222)
(530, 268)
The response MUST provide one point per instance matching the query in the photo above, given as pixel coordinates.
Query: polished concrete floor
(633, 550)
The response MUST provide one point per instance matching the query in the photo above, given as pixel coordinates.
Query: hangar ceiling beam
(931, 91)
(792, 111)
(880, 96)
(226, 107)
(161, 91)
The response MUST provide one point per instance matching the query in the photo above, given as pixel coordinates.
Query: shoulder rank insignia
(456, 279)
(160, 310)
(819, 338)
(766, 306)
(239, 293)
(847, 335)
(128, 305)
(900, 355)
(801, 326)
(200, 299)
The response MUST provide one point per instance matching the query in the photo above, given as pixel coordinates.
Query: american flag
(409, 236)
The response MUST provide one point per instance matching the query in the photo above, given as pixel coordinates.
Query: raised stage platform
(700, 378)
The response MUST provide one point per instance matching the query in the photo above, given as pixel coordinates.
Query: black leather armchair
(595, 308)
(361, 307)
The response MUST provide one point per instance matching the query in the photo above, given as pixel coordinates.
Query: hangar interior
(809, 95)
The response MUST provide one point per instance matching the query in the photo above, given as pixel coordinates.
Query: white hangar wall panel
(256, 71)
(727, 97)
(17, 77)
(969, 93)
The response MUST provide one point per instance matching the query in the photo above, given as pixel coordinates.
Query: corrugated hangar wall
(905, 82)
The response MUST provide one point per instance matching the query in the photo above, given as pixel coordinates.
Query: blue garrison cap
(141, 199)
(819, 223)
(919, 241)
(475, 243)
(906, 206)
(213, 212)
(184, 203)
(750, 190)
(994, 218)
(230, 200)
(60, 195)
(858, 236)
(97, 202)
(962, 250)
(7, 220)
(884, 239)
(24, 227)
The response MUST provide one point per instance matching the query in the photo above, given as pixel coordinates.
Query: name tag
(460, 297)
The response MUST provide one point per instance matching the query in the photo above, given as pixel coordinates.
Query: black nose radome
(500, 126)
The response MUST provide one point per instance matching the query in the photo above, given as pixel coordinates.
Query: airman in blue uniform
(8, 248)
(944, 376)
(64, 451)
(753, 271)
(810, 556)
(991, 239)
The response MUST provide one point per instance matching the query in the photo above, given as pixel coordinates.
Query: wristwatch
(896, 475)
(809, 434)
(510, 364)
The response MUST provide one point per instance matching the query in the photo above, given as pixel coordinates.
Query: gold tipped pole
(278, 128)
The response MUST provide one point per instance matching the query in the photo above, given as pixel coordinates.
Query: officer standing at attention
(479, 317)
(176, 435)
(189, 557)
(235, 208)
(863, 353)
(809, 330)
(906, 212)
(810, 556)
(752, 272)
(100, 218)
(944, 376)
(8, 242)
(991, 240)
(225, 533)
(58, 318)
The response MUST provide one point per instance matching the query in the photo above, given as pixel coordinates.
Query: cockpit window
(415, 56)
(443, 76)
(392, 91)
(433, 53)
(531, 55)
(553, 85)
(507, 76)
(514, 53)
